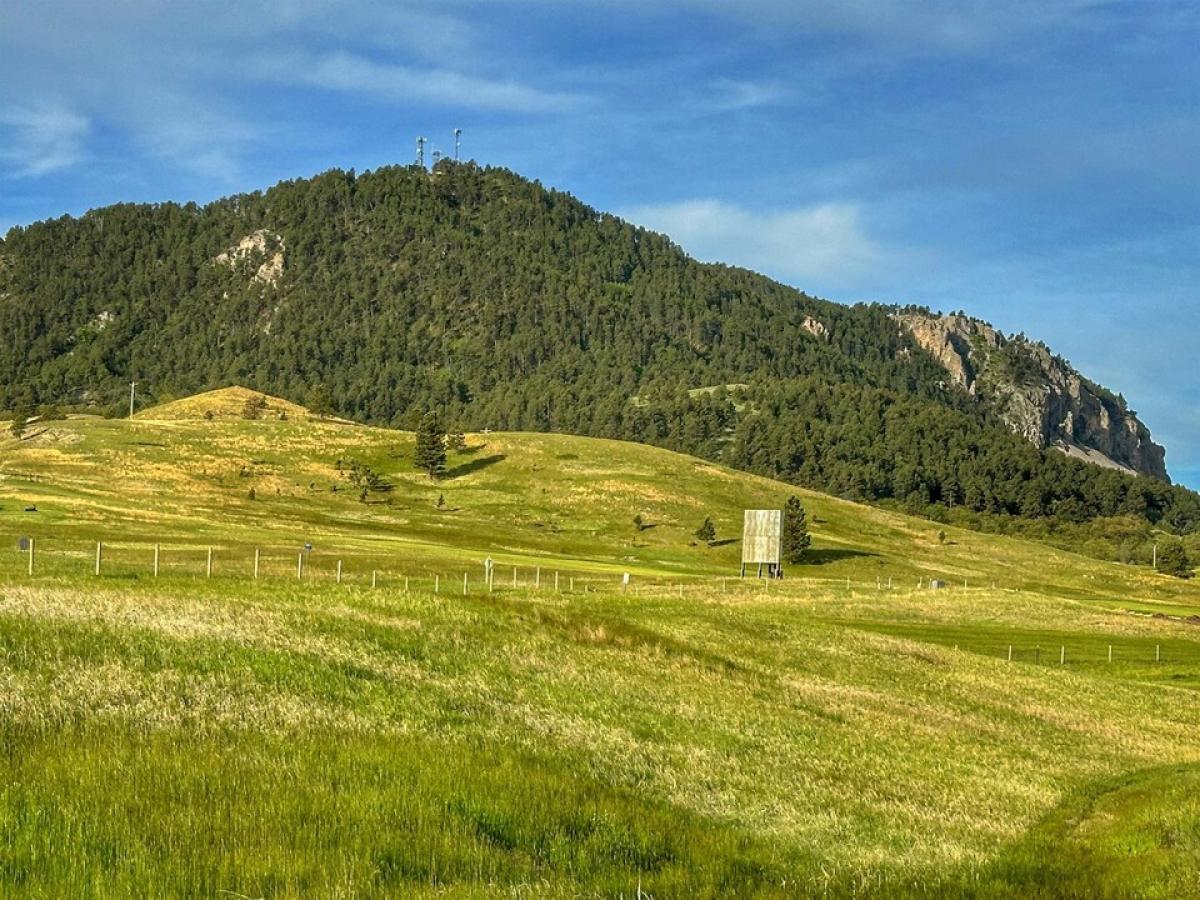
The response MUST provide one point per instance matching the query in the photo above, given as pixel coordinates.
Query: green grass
(181, 735)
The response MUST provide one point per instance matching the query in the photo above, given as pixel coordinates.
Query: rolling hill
(378, 296)
(841, 732)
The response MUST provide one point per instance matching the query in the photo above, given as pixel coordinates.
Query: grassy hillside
(187, 735)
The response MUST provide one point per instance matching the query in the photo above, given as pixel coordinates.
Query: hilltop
(222, 403)
(377, 296)
(397, 732)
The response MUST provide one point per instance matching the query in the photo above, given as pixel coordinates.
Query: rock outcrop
(1037, 394)
(261, 252)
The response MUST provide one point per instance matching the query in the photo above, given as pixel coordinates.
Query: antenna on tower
(457, 142)
(437, 157)
(421, 151)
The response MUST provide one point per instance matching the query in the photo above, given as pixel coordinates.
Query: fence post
(1110, 652)
(299, 565)
(373, 577)
(1062, 656)
(1158, 653)
(157, 553)
(339, 572)
(514, 576)
(537, 578)
(208, 570)
(572, 584)
(256, 563)
(31, 543)
(556, 582)
(1010, 652)
(464, 584)
(99, 554)
(406, 584)
(437, 584)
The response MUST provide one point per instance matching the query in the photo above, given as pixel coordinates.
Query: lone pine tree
(796, 538)
(430, 454)
(1173, 560)
(707, 531)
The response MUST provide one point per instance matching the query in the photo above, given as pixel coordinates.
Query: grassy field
(699, 735)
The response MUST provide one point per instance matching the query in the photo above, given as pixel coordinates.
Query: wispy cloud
(38, 141)
(730, 94)
(347, 72)
(821, 243)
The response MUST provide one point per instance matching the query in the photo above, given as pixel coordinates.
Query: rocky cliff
(1036, 393)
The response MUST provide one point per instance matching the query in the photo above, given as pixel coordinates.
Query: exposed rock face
(262, 251)
(815, 327)
(1037, 394)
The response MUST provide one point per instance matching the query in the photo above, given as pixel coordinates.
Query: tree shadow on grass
(473, 466)
(724, 542)
(827, 555)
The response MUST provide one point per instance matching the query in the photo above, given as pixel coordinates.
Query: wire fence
(41, 558)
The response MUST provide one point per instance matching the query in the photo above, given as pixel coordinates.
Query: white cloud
(348, 72)
(729, 94)
(821, 243)
(42, 140)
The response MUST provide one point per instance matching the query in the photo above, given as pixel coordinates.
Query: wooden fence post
(99, 555)
(256, 563)
(339, 572)
(1010, 652)
(31, 551)
(537, 577)
(514, 576)
(1062, 656)
(1158, 653)
(437, 584)
(208, 569)
(157, 554)
(556, 582)
(374, 579)
(464, 584)
(1110, 652)
(299, 565)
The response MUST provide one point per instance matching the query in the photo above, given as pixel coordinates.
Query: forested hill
(510, 306)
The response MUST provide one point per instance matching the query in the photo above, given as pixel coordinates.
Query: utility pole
(132, 388)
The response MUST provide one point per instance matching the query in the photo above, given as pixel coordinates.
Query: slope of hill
(189, 734)
(512, 307)
(175, 475)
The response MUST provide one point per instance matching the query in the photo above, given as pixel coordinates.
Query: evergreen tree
(319, 401)
(430, 453)
(20, 422)
(707, 531)
(254, 406)
(1173, 560)
(796, 538)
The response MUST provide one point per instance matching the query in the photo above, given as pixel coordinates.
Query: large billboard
(762, 535)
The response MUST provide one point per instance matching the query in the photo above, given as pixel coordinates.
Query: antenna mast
(421, 152)
(457, 142)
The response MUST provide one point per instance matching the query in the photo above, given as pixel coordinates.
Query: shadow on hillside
(829, 555)
(473, 466)
(724, 542)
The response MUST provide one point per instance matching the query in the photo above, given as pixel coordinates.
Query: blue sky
(1033, 162)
